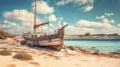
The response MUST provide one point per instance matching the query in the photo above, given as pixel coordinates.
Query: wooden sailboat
(54, 40)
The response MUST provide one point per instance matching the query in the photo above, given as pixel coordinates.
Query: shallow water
(105, 45)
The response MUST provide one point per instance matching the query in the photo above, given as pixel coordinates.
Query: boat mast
(35, 14)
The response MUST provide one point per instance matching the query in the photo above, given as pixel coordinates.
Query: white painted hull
(54, 42)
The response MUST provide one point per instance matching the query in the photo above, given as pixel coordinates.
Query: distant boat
(54, 40)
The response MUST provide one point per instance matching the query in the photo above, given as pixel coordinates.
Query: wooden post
(65, 49)
(63, 40)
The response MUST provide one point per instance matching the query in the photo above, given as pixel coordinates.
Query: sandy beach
(59, 33)
(43, 57)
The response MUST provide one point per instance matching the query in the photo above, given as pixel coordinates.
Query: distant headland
(89, 35)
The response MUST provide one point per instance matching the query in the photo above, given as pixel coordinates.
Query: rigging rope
(46, 14)
(57, 9)
(58, 12)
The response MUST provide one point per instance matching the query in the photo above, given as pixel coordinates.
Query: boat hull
(53, 40)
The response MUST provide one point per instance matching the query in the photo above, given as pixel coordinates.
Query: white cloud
(118, 25)
(43, 7)
(112, 21)
(97, 17)
(7, 24)
(90, 24)
(21, 15)
(111, 30)
(78, 2)
(77, 30)
(14, 28)
(52, 18)
(87, 8)
(105, 19)
(26, 21)
(81, 1)
(63, 2)
(109, 14)
(11, 27)
(87, 4)
(100, 17)
(83, 26)
(104, 26)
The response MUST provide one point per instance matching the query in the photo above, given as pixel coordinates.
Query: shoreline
(97, 53)
(93, 36)
(116, 54)
(43, 57)
(93, 44)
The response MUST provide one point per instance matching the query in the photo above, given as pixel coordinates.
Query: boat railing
(50, 33)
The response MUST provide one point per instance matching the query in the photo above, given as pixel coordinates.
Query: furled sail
(38, 25)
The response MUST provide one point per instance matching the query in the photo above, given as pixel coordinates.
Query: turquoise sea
(105, 45)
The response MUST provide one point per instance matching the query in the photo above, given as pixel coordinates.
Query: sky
(82, 16)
